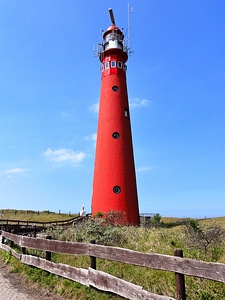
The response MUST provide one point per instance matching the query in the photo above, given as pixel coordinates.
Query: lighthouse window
(113, 64)
(115, 88)
(116, 189)
(102, 68)
(125, 67)
(120, 65)
(115, 135)
(106, 65)
(126, 113)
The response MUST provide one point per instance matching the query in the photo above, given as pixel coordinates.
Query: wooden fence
(106, 282)
(5, 222)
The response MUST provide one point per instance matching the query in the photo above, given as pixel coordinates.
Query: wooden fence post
(93, 258)
(48, 254)
(35, 231)
(11, 244)
(180, 282)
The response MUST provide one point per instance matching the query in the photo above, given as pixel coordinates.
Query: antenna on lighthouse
(130, 10)
(112, 16)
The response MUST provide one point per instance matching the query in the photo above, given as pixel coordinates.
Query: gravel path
(14, 287)
(8, 291)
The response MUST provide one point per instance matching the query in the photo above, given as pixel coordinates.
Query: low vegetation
(202, 240)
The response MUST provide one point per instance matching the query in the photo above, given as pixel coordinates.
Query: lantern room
(113, 38)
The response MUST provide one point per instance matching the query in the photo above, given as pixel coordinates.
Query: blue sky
(49, 94)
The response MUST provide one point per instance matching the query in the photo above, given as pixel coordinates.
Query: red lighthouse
(114, 184)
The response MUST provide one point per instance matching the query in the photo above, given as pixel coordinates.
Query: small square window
(120, 65)
(106, 65)
(113, 64)
(126, 112)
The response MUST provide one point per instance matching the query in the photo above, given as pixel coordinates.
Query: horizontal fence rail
(104, 281)
(42, 223)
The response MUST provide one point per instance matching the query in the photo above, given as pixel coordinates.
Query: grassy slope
(162, 240)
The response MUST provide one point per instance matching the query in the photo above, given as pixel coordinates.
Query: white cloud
(94, 137)
(15, 171)
(64, 155)
(91, 137)
(11, 173)
(144, 169)
(94, 108)
(139, 102)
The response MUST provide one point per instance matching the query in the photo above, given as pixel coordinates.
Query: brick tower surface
(114, 183)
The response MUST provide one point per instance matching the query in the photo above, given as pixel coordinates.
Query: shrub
(156, 219)
(208, 238)
(113, 218)
(100, 229)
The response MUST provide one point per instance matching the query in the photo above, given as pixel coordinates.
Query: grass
(163, 240)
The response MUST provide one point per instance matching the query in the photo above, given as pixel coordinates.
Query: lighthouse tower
(114, 183)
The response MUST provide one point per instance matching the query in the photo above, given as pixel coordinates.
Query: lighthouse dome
(113, 28)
